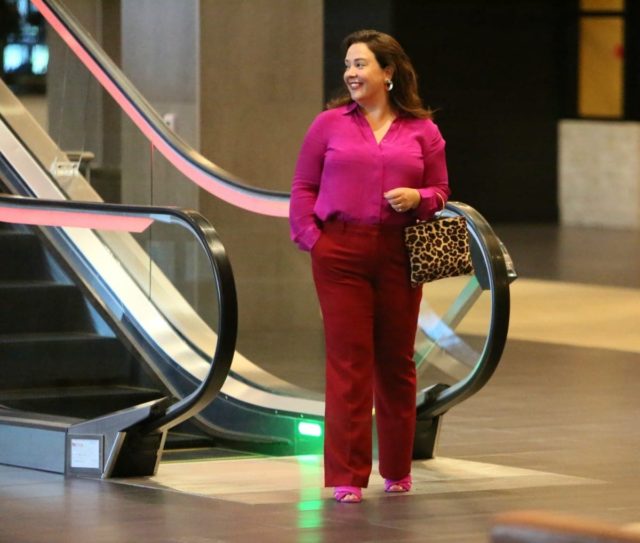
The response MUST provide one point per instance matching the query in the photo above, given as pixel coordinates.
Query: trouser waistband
(360, 228)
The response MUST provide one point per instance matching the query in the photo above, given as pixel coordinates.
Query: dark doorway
(497, 73)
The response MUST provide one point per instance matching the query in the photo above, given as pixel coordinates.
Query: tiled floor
(555, 429)
(299, 479)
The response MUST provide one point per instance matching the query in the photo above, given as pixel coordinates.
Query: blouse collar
(349, 108)
(353, 106)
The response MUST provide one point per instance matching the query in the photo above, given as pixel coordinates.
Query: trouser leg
(396, 307)
(346, 299)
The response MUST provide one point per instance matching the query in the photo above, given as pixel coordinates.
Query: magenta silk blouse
(342, 172)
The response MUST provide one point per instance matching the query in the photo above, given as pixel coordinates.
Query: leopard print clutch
(437, 249)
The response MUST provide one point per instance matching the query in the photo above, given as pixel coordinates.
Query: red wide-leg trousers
(370, 317)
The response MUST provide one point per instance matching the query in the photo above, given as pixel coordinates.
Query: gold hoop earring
(389, 84)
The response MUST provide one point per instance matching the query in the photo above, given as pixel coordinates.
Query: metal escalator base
(108, 446)
(34, 441)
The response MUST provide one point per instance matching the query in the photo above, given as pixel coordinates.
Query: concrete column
(261, 86)
(160, 52)
(599, 173)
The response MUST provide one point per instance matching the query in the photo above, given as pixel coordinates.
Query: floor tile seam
(158, 487)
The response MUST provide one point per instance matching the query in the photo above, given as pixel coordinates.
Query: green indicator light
(309, 429)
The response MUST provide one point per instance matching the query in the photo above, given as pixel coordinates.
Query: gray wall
(261, 71)
(160, 56)
(261, 66)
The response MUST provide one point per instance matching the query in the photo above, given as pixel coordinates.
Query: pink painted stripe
(99, 221)
(237, 197)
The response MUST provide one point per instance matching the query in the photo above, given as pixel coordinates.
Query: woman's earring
(389, 84)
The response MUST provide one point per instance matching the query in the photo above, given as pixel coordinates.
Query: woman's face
(364, 77)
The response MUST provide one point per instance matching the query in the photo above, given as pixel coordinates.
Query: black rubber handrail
(118, 85)
(208, 239)
(440, 401)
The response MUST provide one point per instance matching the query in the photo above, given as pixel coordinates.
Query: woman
(371, 164)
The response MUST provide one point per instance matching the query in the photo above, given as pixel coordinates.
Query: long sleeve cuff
(307, 238)
(431, 201)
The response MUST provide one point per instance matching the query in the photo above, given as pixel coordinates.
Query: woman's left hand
(403, 199)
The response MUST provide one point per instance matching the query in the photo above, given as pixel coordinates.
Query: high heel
(347, 494)
(401, 485)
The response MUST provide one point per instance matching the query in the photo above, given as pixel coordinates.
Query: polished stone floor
(555, 429)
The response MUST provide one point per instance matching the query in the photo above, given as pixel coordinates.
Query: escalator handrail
(180, 154)
(210, 242)
(499, 280)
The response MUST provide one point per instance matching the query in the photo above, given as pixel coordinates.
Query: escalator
(59, 352)
(173, 339)
(75, 414)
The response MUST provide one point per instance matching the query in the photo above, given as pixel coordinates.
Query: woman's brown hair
(388, 52)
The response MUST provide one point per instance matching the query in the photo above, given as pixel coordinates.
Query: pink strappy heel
(401, 485)
(347, 494)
